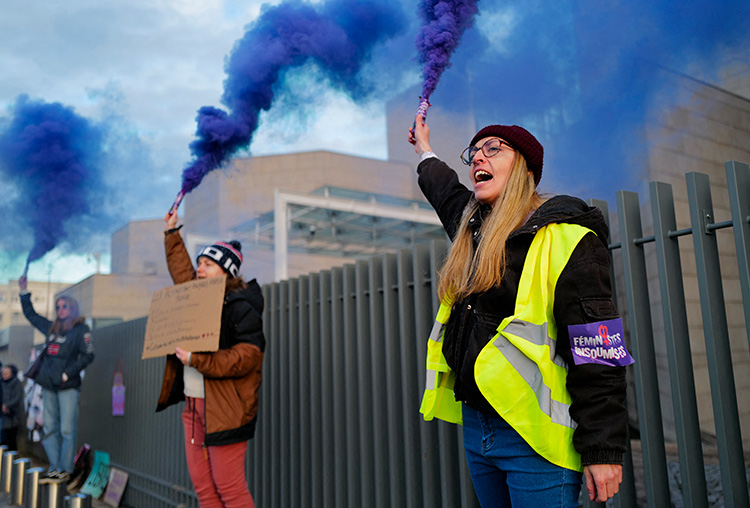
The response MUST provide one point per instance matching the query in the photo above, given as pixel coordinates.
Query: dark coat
(231, 375)
(68, 353)
(583, 295)
(13, 401)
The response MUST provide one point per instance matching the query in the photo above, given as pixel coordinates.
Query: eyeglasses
(490, 148)
(63, 306)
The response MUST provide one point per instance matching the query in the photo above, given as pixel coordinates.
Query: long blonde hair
(465, 271)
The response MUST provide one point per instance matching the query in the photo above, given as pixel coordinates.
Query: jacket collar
(567, 209)
(557, 209)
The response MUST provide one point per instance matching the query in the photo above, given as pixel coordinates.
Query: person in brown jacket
(220, 388)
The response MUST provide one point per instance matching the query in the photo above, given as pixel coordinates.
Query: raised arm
(178, 260)
(420, 136)
(40, 323)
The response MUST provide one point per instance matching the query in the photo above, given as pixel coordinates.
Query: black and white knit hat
(226, 255)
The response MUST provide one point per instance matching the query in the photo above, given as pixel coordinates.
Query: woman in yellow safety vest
(527, 350)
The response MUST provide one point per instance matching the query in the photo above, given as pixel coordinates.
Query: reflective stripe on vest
(438, 400)
(517, 371)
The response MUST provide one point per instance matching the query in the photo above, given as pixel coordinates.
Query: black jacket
(69, 353)
(13, 402)
(583, 295)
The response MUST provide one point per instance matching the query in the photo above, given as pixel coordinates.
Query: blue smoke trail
(50, 155)
(337, 35)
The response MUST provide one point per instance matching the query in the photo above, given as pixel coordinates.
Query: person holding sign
(527, 351)
(68, 350)
(220, 388)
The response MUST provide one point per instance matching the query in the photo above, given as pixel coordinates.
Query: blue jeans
(60, 419)
(507, 472)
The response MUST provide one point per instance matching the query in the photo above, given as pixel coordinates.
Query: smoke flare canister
(424, 105)
(176, 203)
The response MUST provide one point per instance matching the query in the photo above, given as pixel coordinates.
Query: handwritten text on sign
(187, 315)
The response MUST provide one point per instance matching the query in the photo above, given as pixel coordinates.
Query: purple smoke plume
(444, 23)
(338, 36)
(49, 154)
(590, 78)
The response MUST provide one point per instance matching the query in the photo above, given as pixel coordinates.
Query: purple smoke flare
(338, 36)
(49, 154)
(445, 21)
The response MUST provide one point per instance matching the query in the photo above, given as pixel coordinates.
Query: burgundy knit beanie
(520, 139)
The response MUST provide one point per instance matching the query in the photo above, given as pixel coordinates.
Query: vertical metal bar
(261, 455)
(365, 387)
(738, 182)
(338, 388)
(349, 390)
(292, 371)
(283, 368)
(394, 371)
(313, 378)
(409, 381)
(642, 343)
(328, 437)
(302, 380)
(273, 359)
(718, 352)
(676, 329)
(626, 497)
(424, 316)
(379, 382)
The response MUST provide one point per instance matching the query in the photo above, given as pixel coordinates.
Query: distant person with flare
(220, 388)
(527, 349)
(67, 351)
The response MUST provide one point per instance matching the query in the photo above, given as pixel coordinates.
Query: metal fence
(344, 370)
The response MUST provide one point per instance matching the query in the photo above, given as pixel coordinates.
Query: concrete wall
(138, 248)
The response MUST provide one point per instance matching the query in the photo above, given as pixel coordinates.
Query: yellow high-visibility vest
(518, 371)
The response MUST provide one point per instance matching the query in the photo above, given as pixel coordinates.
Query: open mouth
(482, 176)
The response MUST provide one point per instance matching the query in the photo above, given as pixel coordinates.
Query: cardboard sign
(187, 315)
(115, 486)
